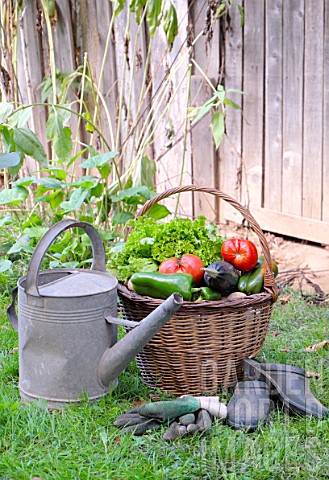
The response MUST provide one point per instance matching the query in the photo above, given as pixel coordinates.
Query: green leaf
(9, 159)
(20, 117)
(61, 135)
(199, 112)
(121, 217)
(27, 142)
(76, 157)
(133, 195)
(232, 104)
(7, 220)
(5, 110)
(105, 170)
(75, 201)
(87, 181)
(157, 212)
(32, 221)
(241, 11)
(23, 181)
(22, 244)
(170, 25)
(5, 265)
(55, 123)
(49, 183)
(118, 6)
(89, 124)
(63, 145)
(218, 127)
(98, 160)
(8, 138)
(13, 196)
(154, 15)
(144, 174)
(58, 172)
(55, 199)
(137, 6)
(35, 232)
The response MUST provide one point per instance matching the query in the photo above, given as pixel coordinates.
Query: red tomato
(188, 263)
(241, 253)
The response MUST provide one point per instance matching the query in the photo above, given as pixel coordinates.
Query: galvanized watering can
(67, 327)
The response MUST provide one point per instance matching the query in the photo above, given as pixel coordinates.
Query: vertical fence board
(325, 167)
(95, 21)
(65, 58)
(32, 69)
(206, 54)
(174, 167)
(206, 50)
(63, 37)
(313, 121)
(130, 66)
(253, 78)
(203, 152)
(293, 35)
(230, 149)
(273, 107)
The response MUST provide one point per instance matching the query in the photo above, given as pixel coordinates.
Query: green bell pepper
(162, 285)
(208, 293)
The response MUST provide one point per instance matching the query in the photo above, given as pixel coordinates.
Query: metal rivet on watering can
(67, 326)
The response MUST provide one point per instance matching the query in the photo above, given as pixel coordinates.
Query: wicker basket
(202, 347)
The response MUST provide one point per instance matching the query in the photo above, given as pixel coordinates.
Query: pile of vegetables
(151, 242)
(188, 257)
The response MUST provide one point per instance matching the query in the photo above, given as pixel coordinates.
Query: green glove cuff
(169, 409)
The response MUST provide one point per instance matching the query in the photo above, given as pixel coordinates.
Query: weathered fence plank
(253, 78)
(273, 107)
(325, 164)
(230, 160)
(134, 94)
(32, 51)
(96, 41)
(293, 34)
(203, 152)
(206, 53)
(313, 112)
(171, 68)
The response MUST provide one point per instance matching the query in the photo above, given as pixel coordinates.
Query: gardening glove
(133, 422)
(151, 415)
(213, 406)
(199, 421)
(188, 424)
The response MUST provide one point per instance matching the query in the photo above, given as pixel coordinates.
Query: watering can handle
(99, 264)
(11, 312)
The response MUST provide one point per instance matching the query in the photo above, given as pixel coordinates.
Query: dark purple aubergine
(222, 277)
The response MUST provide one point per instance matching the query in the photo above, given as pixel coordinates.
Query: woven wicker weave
(201, 349)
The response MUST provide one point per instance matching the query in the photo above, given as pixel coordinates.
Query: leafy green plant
(70, 176)
(150, 243)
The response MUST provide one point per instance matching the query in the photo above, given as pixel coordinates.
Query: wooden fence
(274, 158)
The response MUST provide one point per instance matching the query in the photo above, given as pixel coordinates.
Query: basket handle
(269, 280)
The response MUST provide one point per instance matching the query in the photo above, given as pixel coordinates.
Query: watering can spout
(116, 358)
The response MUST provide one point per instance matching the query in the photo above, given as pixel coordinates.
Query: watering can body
(67, 327)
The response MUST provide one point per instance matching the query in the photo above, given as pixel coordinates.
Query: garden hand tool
(289, 384)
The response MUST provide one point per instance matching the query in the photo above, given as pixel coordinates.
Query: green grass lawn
(81, 442)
